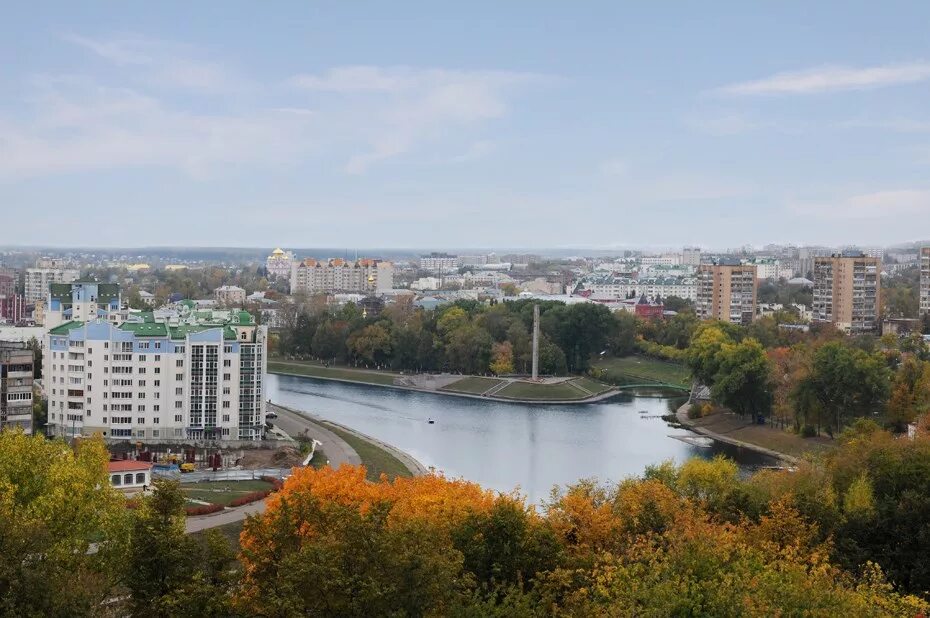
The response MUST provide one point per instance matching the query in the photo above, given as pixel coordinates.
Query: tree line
(465, 336)
(845, 536)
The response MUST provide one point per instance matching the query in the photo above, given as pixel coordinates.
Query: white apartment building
(83, 301)
(440, 262)
(39, 279)
(170, 378)
(666, 259)
(364, 276)
(623, 287)
(229, 296)
(925, 281)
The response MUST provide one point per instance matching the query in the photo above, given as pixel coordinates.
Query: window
(225, 404)
(156, 408)
(179, 390)
(157, 383)
(141, 383)
(179, 376)
(116, 480)
(158, 370)
(179, 362)
(178, 404)
(106, 357)
(226, 390)
(140, 421)
(104, 418)
(106, 345)
(226, 376)
(177, 418)
(227, 362)
(225, 418)
(140, 478)
(141, 369)
(156, 421)
(127, 478)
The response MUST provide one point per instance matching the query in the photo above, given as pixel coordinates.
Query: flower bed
(255, 496)
(203, 509)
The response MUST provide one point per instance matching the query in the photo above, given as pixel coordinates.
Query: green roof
(145, 329)
(64, 329)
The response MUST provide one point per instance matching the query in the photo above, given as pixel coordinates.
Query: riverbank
(350, 446)
(551, 392)
(729, 428)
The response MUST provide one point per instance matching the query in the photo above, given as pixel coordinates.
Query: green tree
(170, 573)
(371, 345)
(847, 382)
(703, 355)
(742, 379)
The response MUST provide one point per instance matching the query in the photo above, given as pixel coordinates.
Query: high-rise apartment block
(691, 256)
(16, 365)
(726, 290)
(925, 281)
(46, 272)
(177, 375)
(339, 276)
(847, 292)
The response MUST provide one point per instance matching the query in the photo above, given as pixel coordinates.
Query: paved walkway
(336, 449)
(228, 516)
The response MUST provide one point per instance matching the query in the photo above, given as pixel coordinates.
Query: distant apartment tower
(229, 296)
(436, 262)
(47, 271)
(726, 290)
(847, 292)
(12, 305)
(16, 363)
(364, 276)
(691, 256)
(925, 281)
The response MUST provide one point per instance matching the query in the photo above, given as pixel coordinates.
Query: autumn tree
(56, 503)
(501, 358)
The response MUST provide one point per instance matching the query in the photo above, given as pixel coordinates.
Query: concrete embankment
(593, 399)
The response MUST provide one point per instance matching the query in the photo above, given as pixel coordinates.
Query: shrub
(808, 431)
(255, 496)
(276, 483)
(695, 410)
(203, 509)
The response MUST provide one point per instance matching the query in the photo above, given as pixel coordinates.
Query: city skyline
(384, 126)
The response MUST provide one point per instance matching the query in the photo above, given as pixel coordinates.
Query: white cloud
(77, 125)
(359, 115)
(614, 167)
(831, 79)
(405, 106)
(163, 64)
(868, 206)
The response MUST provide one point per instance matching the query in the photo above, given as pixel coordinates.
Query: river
(504, 446)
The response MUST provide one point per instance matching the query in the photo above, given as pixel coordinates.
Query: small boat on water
(430, 421)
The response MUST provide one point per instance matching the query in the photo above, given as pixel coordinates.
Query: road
(336, 449)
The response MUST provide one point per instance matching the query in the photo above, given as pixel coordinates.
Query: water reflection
(505, 445)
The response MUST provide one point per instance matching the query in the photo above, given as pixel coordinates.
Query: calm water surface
(508, 445)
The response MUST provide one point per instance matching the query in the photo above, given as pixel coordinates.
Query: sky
(470, 124)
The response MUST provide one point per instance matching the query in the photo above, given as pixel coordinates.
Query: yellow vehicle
(187, 467)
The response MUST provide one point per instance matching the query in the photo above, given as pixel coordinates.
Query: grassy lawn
(474, 385)
(632, 369)
(316, 370)
(319, 458)
(551, 392)
(595, 387)
(229, 531)
(375, 459)
(222, 492)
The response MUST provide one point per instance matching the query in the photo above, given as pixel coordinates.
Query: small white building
(130, 475)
